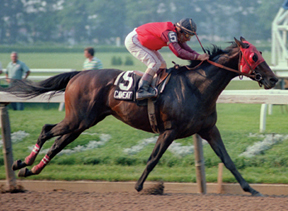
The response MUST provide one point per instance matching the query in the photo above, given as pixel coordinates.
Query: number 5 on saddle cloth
(127, 84)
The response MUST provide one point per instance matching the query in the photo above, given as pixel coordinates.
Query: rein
(232, 70)
(217, 65)
(256, 77)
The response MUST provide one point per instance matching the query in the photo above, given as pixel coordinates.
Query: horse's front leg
(163, 142)
(214, 139)
(29, 160)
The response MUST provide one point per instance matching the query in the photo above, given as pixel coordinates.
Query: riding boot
(144, 90)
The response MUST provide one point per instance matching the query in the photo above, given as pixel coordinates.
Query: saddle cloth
(126, 86)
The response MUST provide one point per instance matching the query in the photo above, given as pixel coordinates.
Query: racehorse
(187, 105)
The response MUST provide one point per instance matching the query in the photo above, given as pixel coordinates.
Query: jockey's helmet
(187, 25)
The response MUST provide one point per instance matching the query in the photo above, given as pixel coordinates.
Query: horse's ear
(242, 39)
(240, 43)
(237, 42)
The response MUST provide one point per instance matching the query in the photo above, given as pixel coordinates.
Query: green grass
(109, 162)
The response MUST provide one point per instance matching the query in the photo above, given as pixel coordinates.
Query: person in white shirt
(92, 62)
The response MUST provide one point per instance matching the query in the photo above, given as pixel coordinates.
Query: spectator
(16, 70)
(92, 62)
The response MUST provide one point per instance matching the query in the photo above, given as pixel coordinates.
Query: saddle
(159, 77)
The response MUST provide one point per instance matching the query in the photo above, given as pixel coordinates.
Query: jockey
(145, 41)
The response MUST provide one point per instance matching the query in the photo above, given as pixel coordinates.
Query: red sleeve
(181, 52)
(187, 48)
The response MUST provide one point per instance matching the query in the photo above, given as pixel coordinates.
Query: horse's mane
(214, 53)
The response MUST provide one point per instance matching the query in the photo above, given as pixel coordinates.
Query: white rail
(42, 70)
(49, 72)
(272, 96)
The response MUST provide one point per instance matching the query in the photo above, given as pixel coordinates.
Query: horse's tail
(28, 89)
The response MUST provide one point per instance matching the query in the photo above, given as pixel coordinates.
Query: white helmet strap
(182, 27)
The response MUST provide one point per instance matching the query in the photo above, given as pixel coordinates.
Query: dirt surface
(120, 201)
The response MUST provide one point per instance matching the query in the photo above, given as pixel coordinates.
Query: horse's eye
(255, 57)
(246, 45)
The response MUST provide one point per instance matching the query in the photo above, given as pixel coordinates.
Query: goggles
(188, 35)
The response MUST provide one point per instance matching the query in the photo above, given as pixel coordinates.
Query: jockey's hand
(203, 57)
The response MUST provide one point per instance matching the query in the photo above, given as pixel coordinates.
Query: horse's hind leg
(43, 137)
(58, 145)
(163, 142)
(48, 131)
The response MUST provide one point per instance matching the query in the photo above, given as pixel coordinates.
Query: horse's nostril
(274, 80)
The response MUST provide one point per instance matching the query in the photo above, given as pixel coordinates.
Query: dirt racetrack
(118, 201)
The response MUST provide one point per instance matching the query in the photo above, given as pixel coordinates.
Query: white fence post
(263, 112)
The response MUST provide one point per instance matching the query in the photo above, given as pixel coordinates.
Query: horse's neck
(211, 81)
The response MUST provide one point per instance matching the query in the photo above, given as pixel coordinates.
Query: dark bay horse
(187, 106)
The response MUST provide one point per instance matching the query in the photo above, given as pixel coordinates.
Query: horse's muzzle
(270, 83)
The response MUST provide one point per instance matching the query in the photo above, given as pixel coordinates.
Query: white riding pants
(151, 58)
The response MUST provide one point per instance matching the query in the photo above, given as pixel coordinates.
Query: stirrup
(145, 94)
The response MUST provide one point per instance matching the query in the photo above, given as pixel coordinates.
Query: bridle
(251, 73)
(255, 76)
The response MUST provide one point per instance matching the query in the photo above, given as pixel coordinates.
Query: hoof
(18, 164)
(257, 194)
(138, 187)
(24, 173)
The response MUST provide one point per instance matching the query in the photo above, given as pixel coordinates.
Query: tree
(11, 12)
(266, 13)
(41, 20)
(73, 20)
(107, 20)
(101, 21)
(144, 11)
